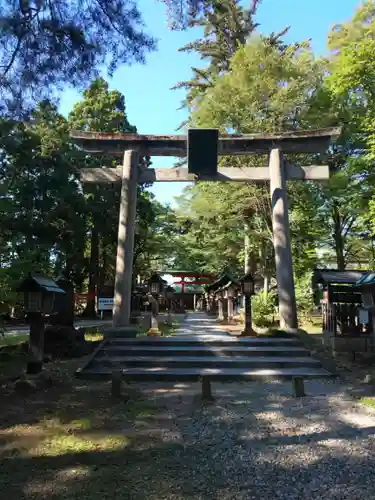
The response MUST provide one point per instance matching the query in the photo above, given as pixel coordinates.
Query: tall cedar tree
(226, 27)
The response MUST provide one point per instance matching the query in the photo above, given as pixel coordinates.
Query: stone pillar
(281, 242)
(220, 308)
(230, 308)
(125, 244)
(225, 309)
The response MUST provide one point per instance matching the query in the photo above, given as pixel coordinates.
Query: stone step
(205, 340)
(195, 374)
(201, 350)
(117, 362)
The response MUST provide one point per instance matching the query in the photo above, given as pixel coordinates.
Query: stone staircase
(205, 358)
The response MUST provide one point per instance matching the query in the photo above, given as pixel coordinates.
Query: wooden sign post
(278, 172)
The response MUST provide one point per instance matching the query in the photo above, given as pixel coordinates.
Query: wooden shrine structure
(278, 172)
(343, 326)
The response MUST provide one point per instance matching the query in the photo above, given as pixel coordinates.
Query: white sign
(105, 304)
(363, 316)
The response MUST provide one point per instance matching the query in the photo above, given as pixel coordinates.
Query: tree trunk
(248, 260)
(338, 239)
(340, 259)
(103, 268)
(93, 272)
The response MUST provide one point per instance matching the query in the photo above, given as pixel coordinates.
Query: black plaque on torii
(202, 151)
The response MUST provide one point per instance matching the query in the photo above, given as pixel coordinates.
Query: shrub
(263, 309)
(304, 297)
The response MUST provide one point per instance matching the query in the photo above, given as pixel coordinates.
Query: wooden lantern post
(39, 297)
(247, 285)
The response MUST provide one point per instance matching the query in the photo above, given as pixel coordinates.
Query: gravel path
(257, 442)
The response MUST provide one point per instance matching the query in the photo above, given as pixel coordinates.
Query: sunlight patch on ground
(48, 438)
(355, 419)
(63, 443)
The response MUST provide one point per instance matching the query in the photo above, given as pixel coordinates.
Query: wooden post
(116, 384)
(298, 387)
(125, 244)
(206, 389)
(36, 343)
(281, 242)
(248, 331)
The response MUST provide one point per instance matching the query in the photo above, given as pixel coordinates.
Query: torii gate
(278, 172)
(197, 278)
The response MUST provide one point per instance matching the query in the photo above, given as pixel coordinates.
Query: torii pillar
(125, 243)
(281, 242)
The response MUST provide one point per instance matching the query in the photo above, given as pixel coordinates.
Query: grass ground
(368, 401)
(70, 440)
(13, 339)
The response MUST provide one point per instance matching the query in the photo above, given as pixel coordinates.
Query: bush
(304, 297)
(263, 309)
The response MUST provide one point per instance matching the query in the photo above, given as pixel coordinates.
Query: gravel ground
(257, 442)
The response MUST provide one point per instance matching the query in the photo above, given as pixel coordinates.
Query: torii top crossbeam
(305, 141)
(278, 172)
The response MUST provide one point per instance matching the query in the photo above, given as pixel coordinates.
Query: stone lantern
(230, 294)
(220, 296)
(156, 287)
(169, 293)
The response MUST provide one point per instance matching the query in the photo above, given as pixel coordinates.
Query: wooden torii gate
(278, 172)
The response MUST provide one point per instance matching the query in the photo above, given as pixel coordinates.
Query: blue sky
(150, 103)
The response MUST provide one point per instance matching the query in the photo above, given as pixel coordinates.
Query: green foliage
(263, 309)
(271, 87)
(226, 26)
(304, 296)
(44, 45)
(218, 216)
(267, 89)
(49, 222)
